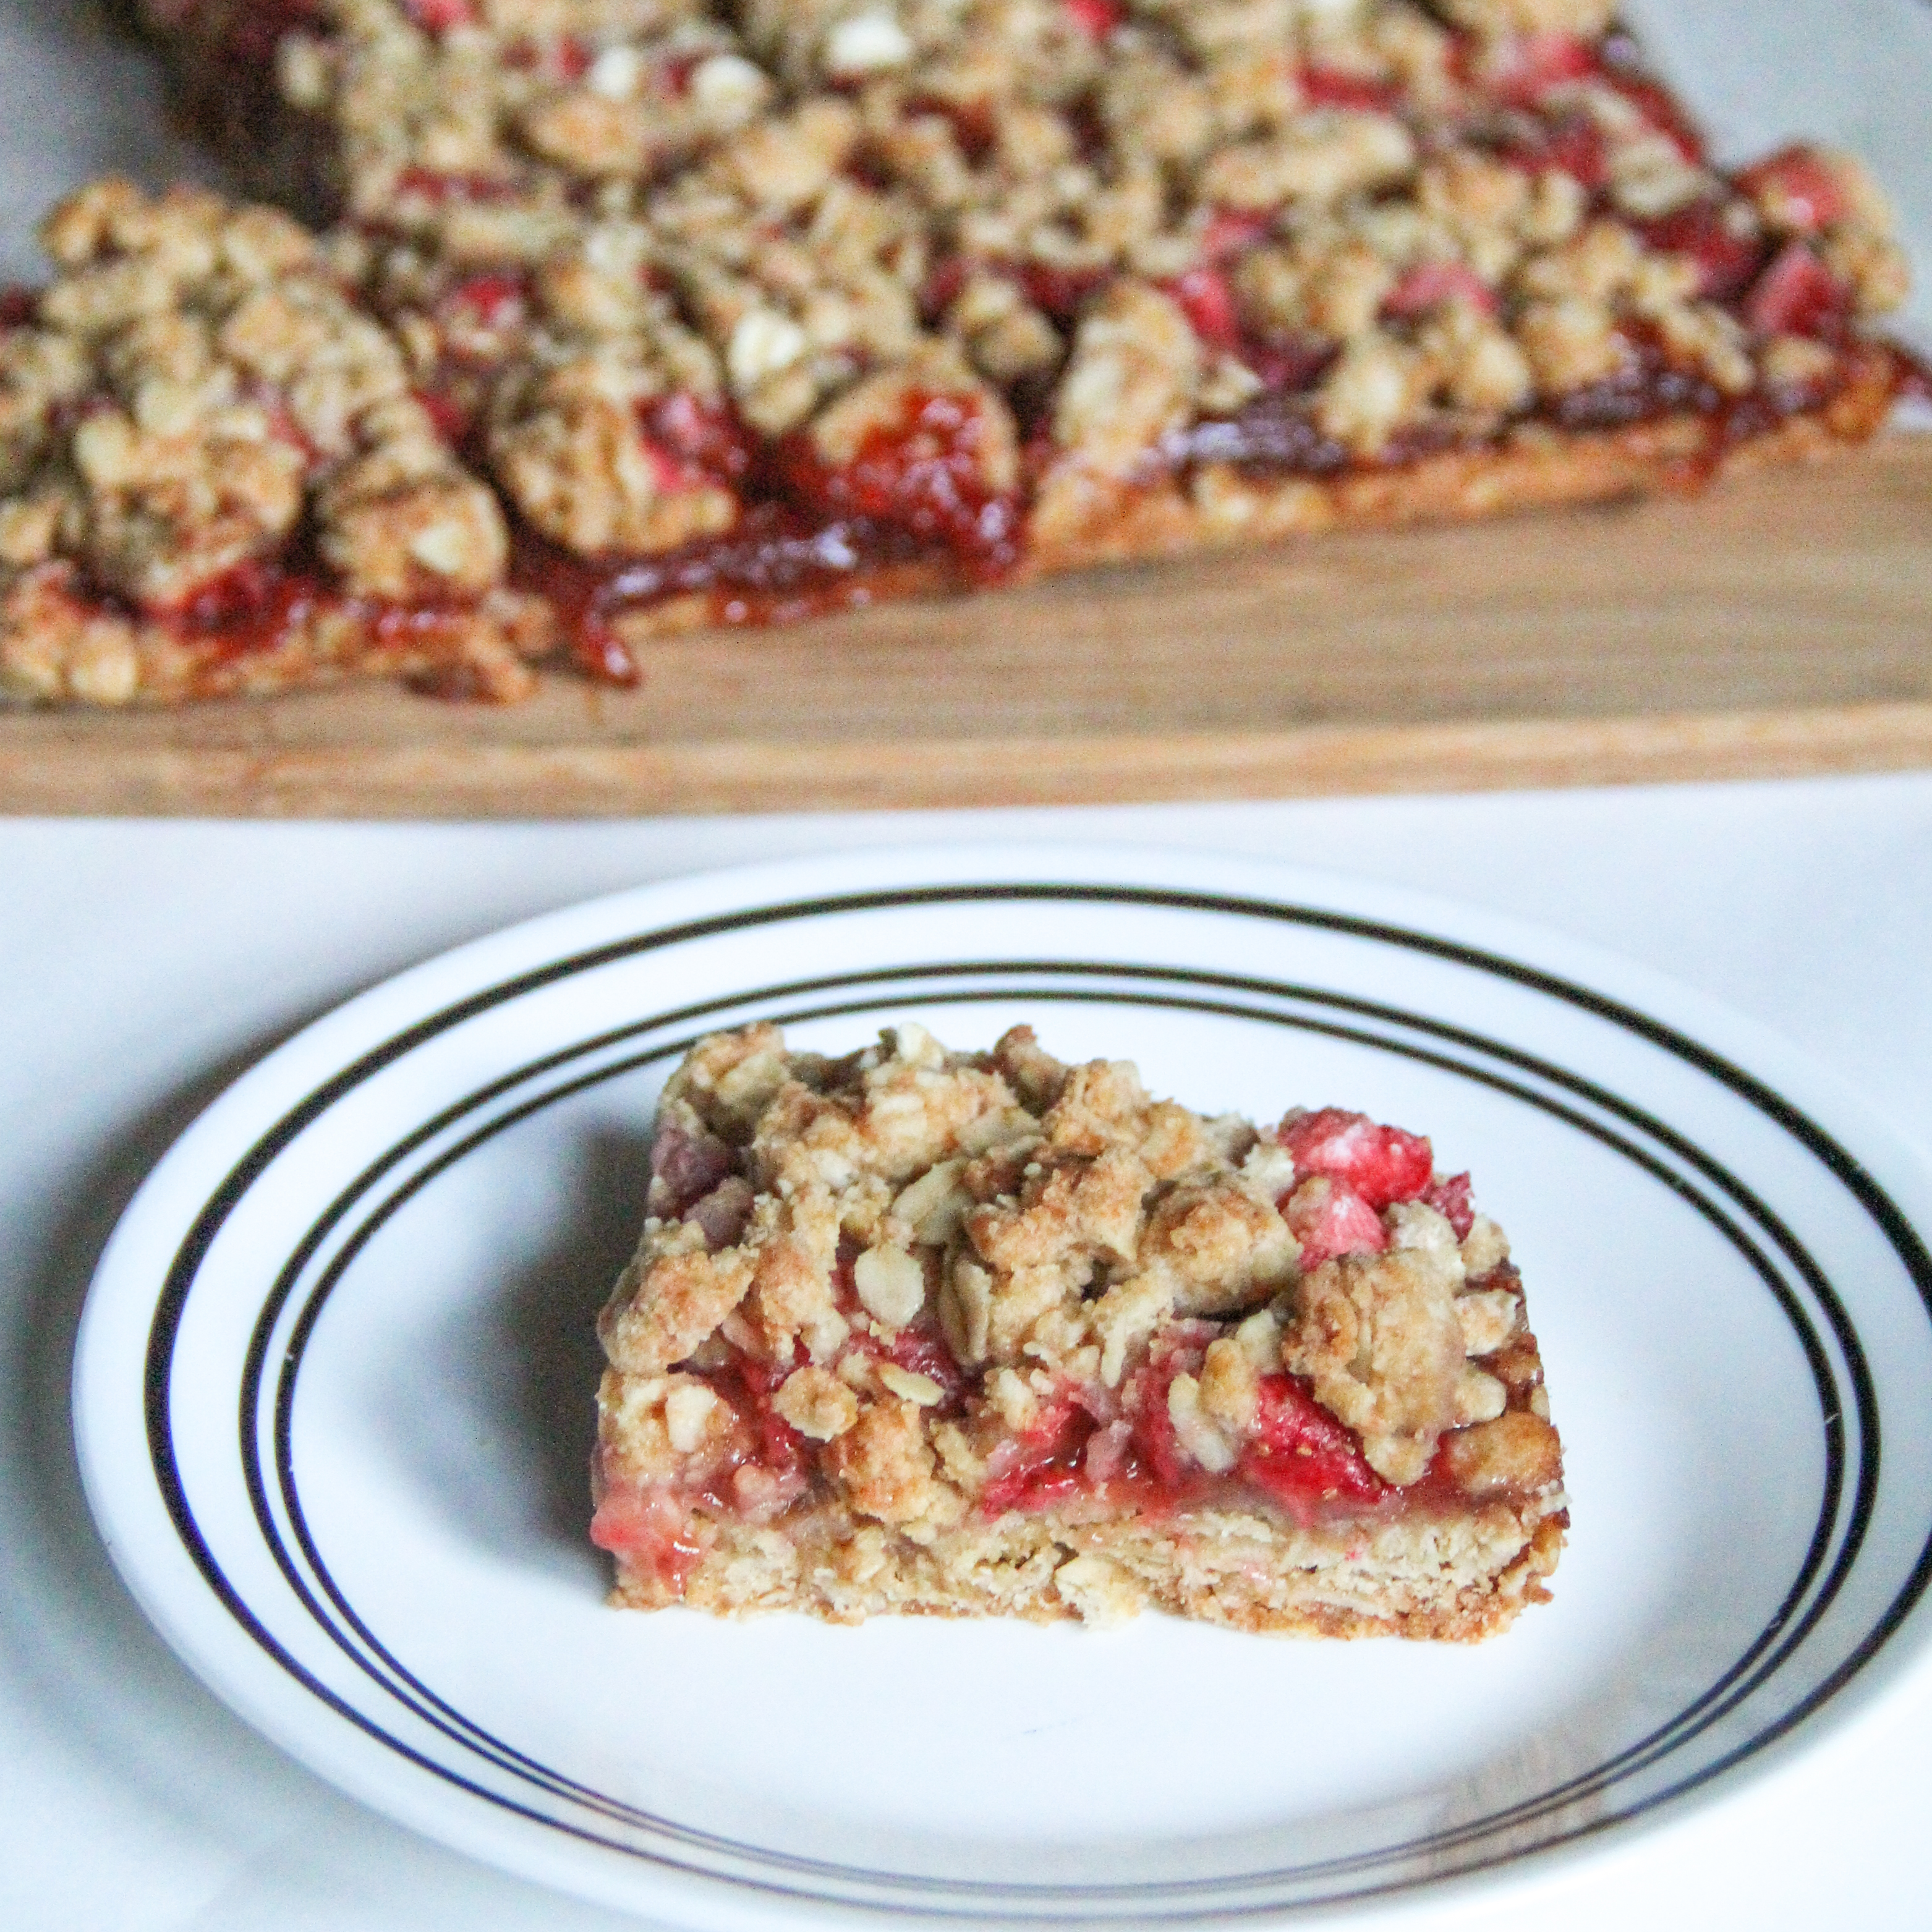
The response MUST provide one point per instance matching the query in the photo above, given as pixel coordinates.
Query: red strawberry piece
(1154, 1434)
(1096, 19)
(600, 653)
(1209, 304)
(436, 185)
(1450, 1199)
(676, 73)
(637, 1522)
(1332, 87)
(491, 299)
(1381, 1164)
(974, 125)
(1798, 189)
(943, 283)
(690, 1165)
(234, 596)
(18, 307)
(1663, 110)
(1328, 1219)
(1060, 292)
(438, 16)
(781, 1447)
(1301, 1455)
(1727, 261)
(1520, 71)
(254, 606)
(668, 475)
(1041, 1465)
(922, 473)
(1291, 365)
(1430, 284)
(701, 436)
(1573, 145)
(451, 418)
(1178, 1350)
(1232, 232)
(1799, 295)
(567, 58)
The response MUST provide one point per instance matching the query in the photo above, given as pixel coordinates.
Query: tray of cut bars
(658, 405)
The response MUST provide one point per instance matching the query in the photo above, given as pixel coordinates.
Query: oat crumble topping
(949, 1296)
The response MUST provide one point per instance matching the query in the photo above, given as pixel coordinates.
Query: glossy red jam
(921, 473)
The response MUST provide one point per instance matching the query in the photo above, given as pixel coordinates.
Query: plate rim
(1695, 1020)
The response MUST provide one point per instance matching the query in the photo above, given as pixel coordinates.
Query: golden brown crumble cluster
(1060, 1230)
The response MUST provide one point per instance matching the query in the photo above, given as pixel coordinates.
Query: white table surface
(144, 964)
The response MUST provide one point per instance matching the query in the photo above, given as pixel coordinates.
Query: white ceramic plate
(334, 1384)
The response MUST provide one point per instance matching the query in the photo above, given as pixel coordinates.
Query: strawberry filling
(1378, 1164)
(439, 186)
(1332, 87)
(1799, 295)
(1727, 261)
(911, 508)
(1082, 1450)
(1232, 232)
(1802, 188)
(1301, 1456)
(923, 473)
(490, 301)
(1519, 71)
(1208, 302)
(439, 16)
(1057, 292)
(1329, 1219)
(1431, 284)
(565, 58)
(263, 605)
(1096, 19)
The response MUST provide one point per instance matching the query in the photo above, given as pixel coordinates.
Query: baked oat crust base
(1457, 1578)
(1081, 520)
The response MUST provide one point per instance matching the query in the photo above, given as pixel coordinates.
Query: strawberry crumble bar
(215, 477)
(746, 310)
(983, 1334)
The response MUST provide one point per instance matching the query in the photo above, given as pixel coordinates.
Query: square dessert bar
(983, 1334)
(215, 476)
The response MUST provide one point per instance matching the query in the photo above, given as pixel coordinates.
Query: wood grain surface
(1781, 625)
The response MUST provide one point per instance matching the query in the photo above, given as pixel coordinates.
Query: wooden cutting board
(1781, 625)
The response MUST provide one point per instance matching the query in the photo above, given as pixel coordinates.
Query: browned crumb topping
(928, 1290)
(194, 395)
